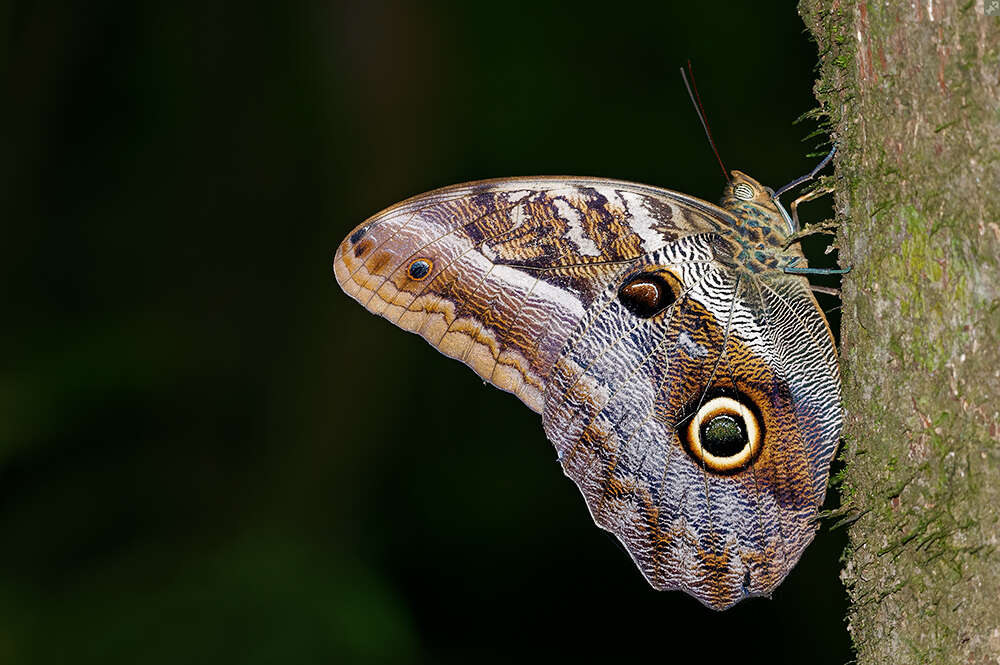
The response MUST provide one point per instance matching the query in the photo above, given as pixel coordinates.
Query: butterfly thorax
(761, 228)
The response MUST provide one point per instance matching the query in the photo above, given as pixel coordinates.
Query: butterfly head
(756, 206)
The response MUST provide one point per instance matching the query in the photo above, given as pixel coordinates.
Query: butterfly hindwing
(623, 394)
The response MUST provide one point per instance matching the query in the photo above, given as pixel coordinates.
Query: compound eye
(725, 434)
(743, 192)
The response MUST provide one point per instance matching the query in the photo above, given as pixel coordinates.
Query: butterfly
(682, 367)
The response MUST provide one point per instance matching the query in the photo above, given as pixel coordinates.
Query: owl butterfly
(688, 381)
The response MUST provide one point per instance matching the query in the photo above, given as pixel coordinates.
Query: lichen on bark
(912, 95)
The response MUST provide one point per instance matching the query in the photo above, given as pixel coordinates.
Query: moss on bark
(912, 94)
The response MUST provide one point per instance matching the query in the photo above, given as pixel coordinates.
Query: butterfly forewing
(511, 265)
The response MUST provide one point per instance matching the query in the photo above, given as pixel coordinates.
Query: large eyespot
(649, 293)
(743, 192)
(419, 269)
(725, 434)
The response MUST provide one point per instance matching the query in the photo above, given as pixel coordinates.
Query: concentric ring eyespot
(744, 192)
(725, 434)
(647, 294)
(419, 269)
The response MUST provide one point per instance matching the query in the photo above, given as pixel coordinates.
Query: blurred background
(208, 453)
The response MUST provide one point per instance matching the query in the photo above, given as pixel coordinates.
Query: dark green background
(208, 453)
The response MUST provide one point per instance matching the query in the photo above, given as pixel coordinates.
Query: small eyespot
(725, 434)
(648, 294)
(743, 192)
(419, 269)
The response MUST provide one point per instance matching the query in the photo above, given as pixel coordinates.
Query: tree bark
(912, 95)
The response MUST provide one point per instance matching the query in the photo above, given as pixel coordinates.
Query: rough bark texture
(912, 94)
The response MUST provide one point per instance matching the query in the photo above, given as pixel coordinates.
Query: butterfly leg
(825, 289)
(808, 196)
(809, 176)
(791, 270)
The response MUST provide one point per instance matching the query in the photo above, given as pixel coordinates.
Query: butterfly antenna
(696, 100)
(808, 176)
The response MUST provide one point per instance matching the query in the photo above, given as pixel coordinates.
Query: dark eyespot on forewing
(647, 294)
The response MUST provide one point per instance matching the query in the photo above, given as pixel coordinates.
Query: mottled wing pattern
(514, 264)
(625, 387)
(522, 280)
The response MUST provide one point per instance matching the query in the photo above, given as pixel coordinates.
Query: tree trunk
(912, 94)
